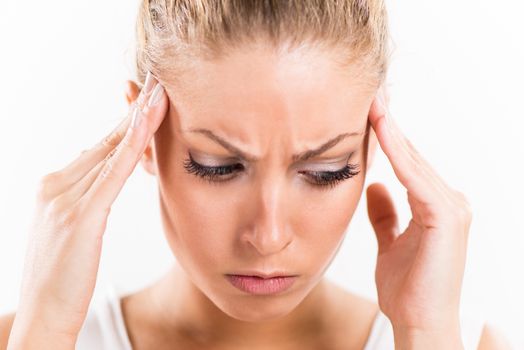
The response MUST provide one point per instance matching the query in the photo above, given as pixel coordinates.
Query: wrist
(36, 340)
(408, 339)
(38, 336)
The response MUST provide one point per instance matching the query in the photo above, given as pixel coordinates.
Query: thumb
(382, 214)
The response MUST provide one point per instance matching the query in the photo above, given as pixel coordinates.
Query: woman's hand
(65, 241)
(419, 272)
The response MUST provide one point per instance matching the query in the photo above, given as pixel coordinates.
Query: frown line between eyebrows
(299, 157)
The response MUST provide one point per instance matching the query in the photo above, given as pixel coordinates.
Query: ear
(132, 90)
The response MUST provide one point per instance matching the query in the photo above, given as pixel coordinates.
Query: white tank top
(104, 328)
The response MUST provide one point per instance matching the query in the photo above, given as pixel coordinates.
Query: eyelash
(321, 179)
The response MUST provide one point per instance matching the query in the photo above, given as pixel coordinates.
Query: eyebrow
(300, 157)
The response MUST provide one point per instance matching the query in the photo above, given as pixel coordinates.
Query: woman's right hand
(73, 204)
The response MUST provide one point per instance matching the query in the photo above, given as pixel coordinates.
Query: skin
(269, 217)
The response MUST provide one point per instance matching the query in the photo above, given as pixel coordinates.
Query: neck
(184, 308)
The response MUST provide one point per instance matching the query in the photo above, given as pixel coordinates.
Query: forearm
(426, 340)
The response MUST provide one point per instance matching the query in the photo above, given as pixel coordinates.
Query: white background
(456, 90)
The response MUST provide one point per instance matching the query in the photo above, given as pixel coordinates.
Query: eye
(212, 174)
(321, 179)
(329, 179)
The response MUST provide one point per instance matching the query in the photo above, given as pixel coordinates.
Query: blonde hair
(173, 34)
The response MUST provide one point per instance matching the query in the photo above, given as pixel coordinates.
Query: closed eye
(223, 173)
(213, 174)
(332, 178)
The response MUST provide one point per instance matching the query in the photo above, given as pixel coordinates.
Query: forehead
(256, 90)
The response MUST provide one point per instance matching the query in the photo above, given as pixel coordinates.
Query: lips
(262, 284)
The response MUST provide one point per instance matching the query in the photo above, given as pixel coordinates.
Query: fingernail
(137, 117)
(149, 83)
(155, 95)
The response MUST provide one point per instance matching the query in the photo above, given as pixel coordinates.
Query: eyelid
(212, 162)
(324, 168)
(335, 163)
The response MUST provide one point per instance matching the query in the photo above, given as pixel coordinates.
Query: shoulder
(6, 323)
(492, 339)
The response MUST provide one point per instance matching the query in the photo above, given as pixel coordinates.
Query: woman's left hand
(419, 272)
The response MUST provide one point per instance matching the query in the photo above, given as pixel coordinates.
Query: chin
(257, 309)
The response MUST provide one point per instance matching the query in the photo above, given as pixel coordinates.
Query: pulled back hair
(173, 34)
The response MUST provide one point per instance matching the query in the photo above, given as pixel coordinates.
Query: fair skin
(267, 217)
(257, 221)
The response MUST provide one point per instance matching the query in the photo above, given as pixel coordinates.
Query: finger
(425, 170)
(382, 215)
(409, 166)
(408, 146)
(74, 171)
(91, 157)
(78, 189)
(88, 159)
(117, 169)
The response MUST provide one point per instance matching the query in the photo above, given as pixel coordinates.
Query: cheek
(202, 223)
(322, 218)
(203, 226)
(197, 226)
(324, 214)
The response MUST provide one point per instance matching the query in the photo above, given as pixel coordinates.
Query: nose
(270, 231)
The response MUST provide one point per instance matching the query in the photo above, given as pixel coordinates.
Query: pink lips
(260, 286)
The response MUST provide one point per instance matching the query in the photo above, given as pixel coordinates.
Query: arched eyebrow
(299, 157)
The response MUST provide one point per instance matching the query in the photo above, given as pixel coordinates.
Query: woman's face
(272, 212)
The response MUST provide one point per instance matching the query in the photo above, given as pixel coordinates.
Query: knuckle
(460, 195)
(108, 170)
(58, 205)
(51, 178)
(111, 154)
(464, 206)
(128, 143)
(46, 185)
(463, 199)
(70, 218)
(410, 145)
(113, 139)
(63, 211)
(467, 208)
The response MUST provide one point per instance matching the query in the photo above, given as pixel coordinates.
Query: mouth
(262, 284)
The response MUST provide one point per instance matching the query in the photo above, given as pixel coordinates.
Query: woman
(265, 117)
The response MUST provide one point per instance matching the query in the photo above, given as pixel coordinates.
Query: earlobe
(148, 161)
(131, 91)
